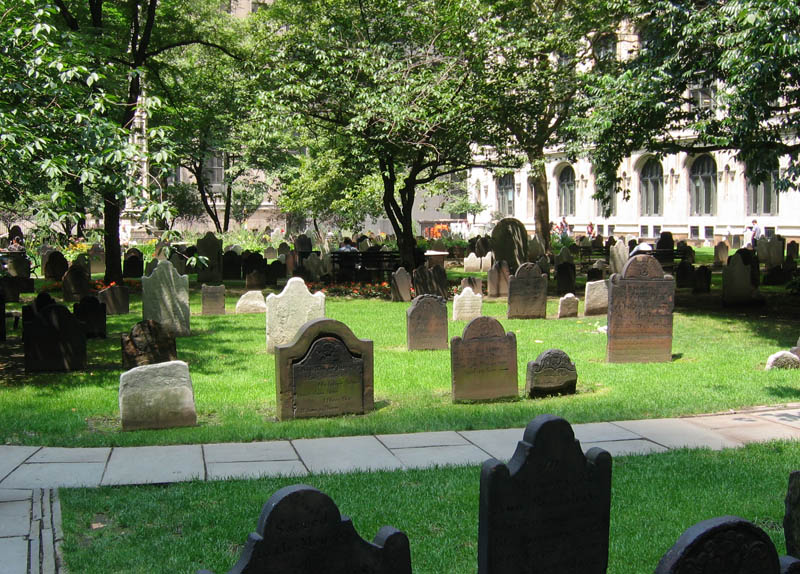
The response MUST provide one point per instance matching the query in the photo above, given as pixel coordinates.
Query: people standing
(757, 233)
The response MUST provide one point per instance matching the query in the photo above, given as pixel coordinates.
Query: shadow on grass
(785, 392)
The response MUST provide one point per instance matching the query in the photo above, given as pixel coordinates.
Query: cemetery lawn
(185, 527)
(718, 364)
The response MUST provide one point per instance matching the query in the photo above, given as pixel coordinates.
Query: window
(769, 232)
(643, 231)
(694, 232)
(656, 231)
(214, 170)
(651, 188)
(703, 186)
(600, 229)
(762, 199)
(605, 49)
(566, 192)
(703, 96)
(505, 194)
(709, 232)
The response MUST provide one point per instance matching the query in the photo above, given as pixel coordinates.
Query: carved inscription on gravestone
(426, 323)
(483, 362)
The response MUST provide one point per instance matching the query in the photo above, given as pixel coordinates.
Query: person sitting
(347, 245)
(16, 245)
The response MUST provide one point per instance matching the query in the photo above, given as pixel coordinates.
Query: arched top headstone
(483, 327)
(510, 242)
(643, 267)
(528, 271)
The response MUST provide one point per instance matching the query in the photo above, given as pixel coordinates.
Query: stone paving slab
(625, 447)
(13, 456)
(154, 464)
(426, 457)
(254, 469)
(760, 431)
(54, 454)
(249, 451)
(344, 454)
(9, 494)
(596, 432)
(55, 474)
(15, 518)
(13, 555)
(499, 443)
(420, 439)
(677, 433)
(789, 417)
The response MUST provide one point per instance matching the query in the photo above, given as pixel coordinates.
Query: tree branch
(206, 43)
(70, 20)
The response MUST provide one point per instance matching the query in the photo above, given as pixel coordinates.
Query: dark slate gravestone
(133, 264)
(483, 362)
(665, 241)
(252, 262)
(275, 270)
(483, 245)
(510, 242)
(721, 545)
(548, 510)
(9, 287)
(401, 285)
(426, 323)
(497, 279)
(702, 280)
(75, 284)
(552, 373)
(18, 265)
(2, 317)
(527, 293)
(256, 280)
(750, 259)
(565, 277)
(231, 265)
(474, 283)
(283, 248)
(147, 343)
(210, 247)
(594, 274)
(684, 274)
(640, 303)
(302, 244)
(91, 314)
(440, 281)
(301, 531)
(791, 517)
(53, 340)
(213, 299)
(431, 281)
(56, 266)
(325, 371)
(792, 249)
(116, 298)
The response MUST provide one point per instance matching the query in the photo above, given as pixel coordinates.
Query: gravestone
(467, 305)
(791, 517)
(775, 250)
(665, 241)
(684, 274)
(292, 263)
(81, 260)
(210, 247)
(474, 283)
(10, 288)
(151, 266)
(472, 263)
(324, 371)
(426, 323)
(565, 277)
(146, 344)
(565, 255)
(270, 253)
(18, 265)
(640, 304)
(133, 264)
(157, 396)
(483, 362)
(252, 262)
(16, 231)
(116, 299)
(510, 242)
(75, 283)
(702, 280)
(97, 258)
(178, 261)
(283, 248)
(720, 254)
(792, 249)
(55, 266)
(213, 299)
(737, 285)
(498, 279)
(53, 339)
(251, 302)
(256, 280)
(594, 274)
(91, 314)
(618, 256)
(301, 531)
(302, 243)
(401, 285)
(290, 310)
(275, 270)
(750, 259)
(552, 373)
(430, 280)
(487, 261)
(548, 510)
(527, 293)
(568, 306)
(483, 246)
(313, 266)
(165, 298)
(544, 265)
(231, 265)
(762, 248)
(535, 248)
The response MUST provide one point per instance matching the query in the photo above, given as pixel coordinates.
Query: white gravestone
(157, 396)
(736, 285)
(290, 310)
(618, 257)
(472, 263)
(313, 265)
(595, 301)
(251, 302)
(568, 306)
(467, 305)
(165, 298)
(487, 261)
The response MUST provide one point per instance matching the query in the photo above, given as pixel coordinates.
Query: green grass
(718, 364)
(184, 527)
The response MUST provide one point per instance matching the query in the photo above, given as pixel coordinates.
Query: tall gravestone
(720, 254)
(737, 285)
(56, 266)
(618, 256)
(702, 280)
(213, 299)
(97, 258)
(640, 304)
(595, 298)
(133, 264)
(165, 298)
(231, 265)
(301, 531)
(53, 340)
(665, 241)
(792, 249)
(146, 344)
(116, 299)
(510, 242)
(210, 247)
(324, 371)
(75, 283)
(401, 285)
(552, 373)
(91, 314)
(302, 243)
(483, 362)
(290, 310)
(684, 274)
(548, 510)
(430, 280)
(497, 279)
(565, 277)
(426, 323)
(527, 293)
(467, 305)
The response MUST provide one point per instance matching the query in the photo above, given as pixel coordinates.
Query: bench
(364, 265)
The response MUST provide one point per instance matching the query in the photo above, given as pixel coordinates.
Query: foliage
(559, 240)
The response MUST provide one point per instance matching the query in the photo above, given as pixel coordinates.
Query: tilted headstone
(158, 396)
(568, 306)
(618, 257)
(133, 264)
(91, 314)
(301, 531)
(290, 310)
(324, 371)
(53, 340)
(97, 258)
(210, 247)
(472, 263)
(213, 299)
(497, 279)
(510, 242)
(426, 323)
(231, 265)
(791, 516)
(467, 305)
(552, 373)
(702, 280)
(270, 253)
(431, 281)
(720, 254)
(56, 266)
(165, 298)
(548, 510)
(527, 293)
(401, 285)
(313, 266)
(640, 304)
(146, 344)
(684, 274)
(737, 285)
(251, 302)
(474, 283)
(565, 277)
(75, 283)
(483, 362)
(782, 360)
(792, 249)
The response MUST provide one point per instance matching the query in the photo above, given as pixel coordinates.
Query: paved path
(29, 476)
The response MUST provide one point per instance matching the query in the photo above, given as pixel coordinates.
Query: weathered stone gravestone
(301, 531)
(290, 310)
(210, 247)
(151, 266)
(684, 274)
(737, 285)
(750, 260)
(472, 263)
(791, 517)
(231, 265)
(548, 510)
(325, 371)
(275, 270)
(498, 279)
(483, 245)
(165, 298)
(401, 285)
(565, 277)
(91, 314)
(775, 250)
(552, 373)
(213, 299)
(97, 258)
(302, 243)
(720, 254)
(665, 241)
(544, 265)
(568, 306)
(782, 360)
(270, 253)
(792, 249)
(535, 248)
(158, 396)
(474, 283)
(53, 339)
(487, 261)
(467, 305)
(283, 248)
(483, 362)
(9, 287)
(313, 266)
(596, 298)
(510, 242)
(565, 255)
(18, 265)
(56, 266)
(618, 256)
(133, 264)
(426, 323)
(292, 263)
(527, 293)
(116, 299)
(594, 274)
(430, 280)
(702, 280)
(146, 344)
(251, 302)
(640, 304)
(75, 283)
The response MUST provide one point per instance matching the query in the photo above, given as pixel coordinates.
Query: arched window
(566, 191)
(651, 188)
(505, 194)
(762, 199)
(703, 186)
(605, 49)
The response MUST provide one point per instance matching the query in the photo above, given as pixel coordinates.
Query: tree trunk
(111, 211)
(399, 214)
(541, 204)
(228, 191)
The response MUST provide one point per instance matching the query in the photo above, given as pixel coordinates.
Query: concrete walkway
(30, 514)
